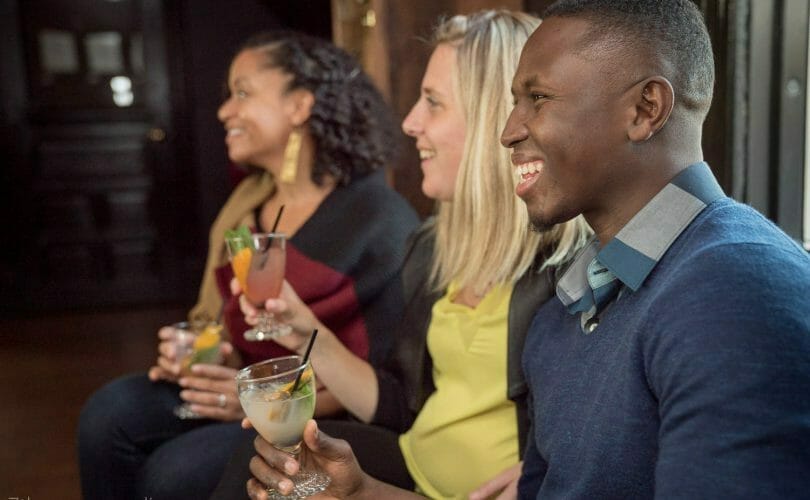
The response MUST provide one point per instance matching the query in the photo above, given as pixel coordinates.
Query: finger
(235, 288)
(486, 490)
(157, 373)
(275, 458)
(269, 475)
(212, 412)
(510, 492)
(256, 490)
(205, 384)
(209, 405)
(498, 483)
(205, 398)
(214, 372)
(227, 414)
(246, 424)
(169, 366)
(225, 348)
(278, 307)
(166, 333)
(332, 449)
(247, 308)
(167, 350)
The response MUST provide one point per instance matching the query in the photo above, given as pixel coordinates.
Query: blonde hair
(483, 236)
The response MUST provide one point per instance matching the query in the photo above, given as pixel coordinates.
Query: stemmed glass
(195, 342)
(258, 265)
(279, 409)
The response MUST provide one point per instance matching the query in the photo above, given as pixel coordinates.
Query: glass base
(306, 484)
(267, 333)
(184, 412)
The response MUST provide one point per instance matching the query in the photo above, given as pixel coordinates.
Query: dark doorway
(114, 163)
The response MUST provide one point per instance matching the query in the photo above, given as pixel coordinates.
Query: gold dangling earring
(289, 168)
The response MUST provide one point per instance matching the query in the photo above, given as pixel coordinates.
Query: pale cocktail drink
(195, 342)
(278, 396)
(278, 416)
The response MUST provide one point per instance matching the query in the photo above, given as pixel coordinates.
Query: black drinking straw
(278, 217)
(304, 362)
(263, 261)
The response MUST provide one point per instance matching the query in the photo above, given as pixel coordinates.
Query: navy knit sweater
(697, 385)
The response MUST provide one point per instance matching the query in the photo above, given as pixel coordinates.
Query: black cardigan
(405, 379)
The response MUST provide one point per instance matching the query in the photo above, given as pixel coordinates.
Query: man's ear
(301, 102)
(654, 101)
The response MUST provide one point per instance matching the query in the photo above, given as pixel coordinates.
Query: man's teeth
(234, 131)
(425, 154)
(529, 168)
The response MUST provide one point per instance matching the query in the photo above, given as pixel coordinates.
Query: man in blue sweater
(676, 362)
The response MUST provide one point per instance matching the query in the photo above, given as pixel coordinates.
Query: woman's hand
(167, 368)
(505, 483)
(211, 390)
(287, 308)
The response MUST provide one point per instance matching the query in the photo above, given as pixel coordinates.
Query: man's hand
(333, 457)
(320, 452)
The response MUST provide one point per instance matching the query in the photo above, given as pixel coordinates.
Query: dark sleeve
(732, 376)
(378, 278)
(404, 379)
(360, 233)
(533, 289)
(534, 467)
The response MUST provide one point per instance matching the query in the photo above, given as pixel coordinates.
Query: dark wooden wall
(407, 29)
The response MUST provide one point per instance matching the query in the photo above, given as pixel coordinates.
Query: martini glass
(259, 267)
(278, 396)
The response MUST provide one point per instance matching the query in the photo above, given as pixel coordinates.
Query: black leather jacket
(405, 379)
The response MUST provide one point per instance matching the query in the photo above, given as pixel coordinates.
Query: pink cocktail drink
(266, 274)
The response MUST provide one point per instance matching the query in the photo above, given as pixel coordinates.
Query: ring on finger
(221, 400)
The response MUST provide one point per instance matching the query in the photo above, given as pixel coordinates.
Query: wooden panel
(406, 28)
(407, 25)
(469, 6)
(537, 6)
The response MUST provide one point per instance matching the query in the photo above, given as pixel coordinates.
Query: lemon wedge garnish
(208, 338)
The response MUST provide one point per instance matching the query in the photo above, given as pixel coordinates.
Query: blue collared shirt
(597, 277)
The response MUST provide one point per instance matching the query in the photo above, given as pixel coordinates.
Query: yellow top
(467, 431)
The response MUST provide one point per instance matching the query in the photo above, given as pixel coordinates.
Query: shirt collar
(636, 249)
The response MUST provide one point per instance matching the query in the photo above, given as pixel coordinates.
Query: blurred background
(114, 166)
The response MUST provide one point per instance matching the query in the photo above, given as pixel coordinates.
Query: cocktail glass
(279, 410)
(259, 268)
(195, 342)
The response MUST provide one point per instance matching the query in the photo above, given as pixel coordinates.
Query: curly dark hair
(352, 126)
(674, 29)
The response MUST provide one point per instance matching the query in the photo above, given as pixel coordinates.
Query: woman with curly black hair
(316, 135)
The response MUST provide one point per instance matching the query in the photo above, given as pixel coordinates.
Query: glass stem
(265, 321)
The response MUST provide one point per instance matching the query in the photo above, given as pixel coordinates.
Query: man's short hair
(673, 29)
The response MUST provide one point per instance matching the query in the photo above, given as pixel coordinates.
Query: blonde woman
(448, 407)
